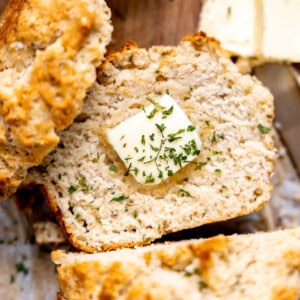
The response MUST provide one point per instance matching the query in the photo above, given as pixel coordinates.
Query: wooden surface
(153, 22)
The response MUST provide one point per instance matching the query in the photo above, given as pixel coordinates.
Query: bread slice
(48, 54)
(231, 176)
(254, 266)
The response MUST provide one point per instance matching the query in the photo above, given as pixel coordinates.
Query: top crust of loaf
(48, 54)
(226, 109)
(254, 266)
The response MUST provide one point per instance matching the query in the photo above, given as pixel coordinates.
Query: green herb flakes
(263, 130)
(190, 128)
(218, 171)
(143, 141)
(119, 199)
(21, 268)
(135, 214)
(72, 189)
(183, 192)
(202, 285)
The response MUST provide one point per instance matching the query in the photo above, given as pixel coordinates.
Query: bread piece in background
(48, 54)
(98, 202)
(254, 266)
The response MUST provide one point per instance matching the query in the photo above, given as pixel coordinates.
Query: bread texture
(48, 54)
(255, 266)
(103, 208)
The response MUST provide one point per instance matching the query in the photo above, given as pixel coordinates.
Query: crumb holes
(81, 118)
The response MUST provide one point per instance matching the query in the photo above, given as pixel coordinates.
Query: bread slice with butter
(254, 266)
(99, 200)
(48, 54)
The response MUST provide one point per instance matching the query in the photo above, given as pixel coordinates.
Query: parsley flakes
(262, 129)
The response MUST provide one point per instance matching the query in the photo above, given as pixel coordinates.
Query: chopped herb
(200, 165)
(229, 86)
(143, 141)
(119, 199)
(128, 158)
(215, 152)
(152, 114)
(136, 149)
(188, 274)
(160, 127)
(98, 156)
(148, 239)
(191, 89)
(156, 149)
(174, 136)
(113, 168)
(190, 128)
(124, 145)
(202, 285)
(142, 158)
(151, 136)
(207, 122)
(224, 187)
(135, 213)
(167, 92)
(122, 137)
(157, 71)
(59, 176)
(170, 173)
(12, 278)
(160, 175)
(183, 192)
(218, 171)
(263, 130)
(72, 189)
(77, 216)
(214, 139)
(167, 112)
(135, 171)
(155, 104)
(149, 179)
(20, 267)
(83, 185)
(203, 213)
(208, 158)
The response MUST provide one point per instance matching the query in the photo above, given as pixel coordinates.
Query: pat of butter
(232, 23)
(266, 29)
(281, 30)
(156, 142)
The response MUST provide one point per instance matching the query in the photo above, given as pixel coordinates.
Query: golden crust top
(48, 54)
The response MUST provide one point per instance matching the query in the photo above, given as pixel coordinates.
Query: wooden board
(149, 22)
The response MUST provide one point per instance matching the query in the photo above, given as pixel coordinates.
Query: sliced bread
(95, 197)
(255, 266)
(48, 54)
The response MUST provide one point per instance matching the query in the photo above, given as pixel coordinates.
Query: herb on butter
(143, 141)
(190, 128)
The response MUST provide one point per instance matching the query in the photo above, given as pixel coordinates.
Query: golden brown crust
(48, 51)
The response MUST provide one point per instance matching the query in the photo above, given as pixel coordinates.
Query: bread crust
(253, 266)
(49, 51)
